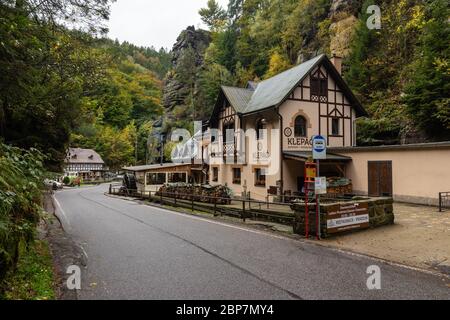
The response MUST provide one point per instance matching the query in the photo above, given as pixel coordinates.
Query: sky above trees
(154, 23)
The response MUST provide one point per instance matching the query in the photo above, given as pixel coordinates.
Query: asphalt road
(136, 251)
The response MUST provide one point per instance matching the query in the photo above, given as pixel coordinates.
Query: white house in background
(84, 163)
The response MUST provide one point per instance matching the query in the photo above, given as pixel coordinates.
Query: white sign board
(348, 221)
(321, 185)
(319, 148)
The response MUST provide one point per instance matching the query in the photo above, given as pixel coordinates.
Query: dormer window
(319, 86)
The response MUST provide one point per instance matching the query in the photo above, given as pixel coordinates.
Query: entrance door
(300, 184)
(380, 179)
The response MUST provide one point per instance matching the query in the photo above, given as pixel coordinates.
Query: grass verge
(33, 279)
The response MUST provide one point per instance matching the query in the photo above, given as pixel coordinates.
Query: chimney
(337, 62)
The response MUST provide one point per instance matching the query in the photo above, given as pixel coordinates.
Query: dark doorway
(380, 179)
(300, 184)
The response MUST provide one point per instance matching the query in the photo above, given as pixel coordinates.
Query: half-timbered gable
(320, 105)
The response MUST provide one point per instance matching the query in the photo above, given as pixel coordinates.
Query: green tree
(117, 146)
(21, 176)
(428, 91)
(88, 15)
(45, 72)
(225, 43)
(358, 75)
(234, 11)
(278, 63)
(211, 78)
(128, 94)
(214, 16)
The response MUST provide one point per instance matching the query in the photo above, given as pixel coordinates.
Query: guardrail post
(110, 189)
(192, 203)
(243, 210)
(440, 202)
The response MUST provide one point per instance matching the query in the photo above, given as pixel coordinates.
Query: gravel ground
(420, 238)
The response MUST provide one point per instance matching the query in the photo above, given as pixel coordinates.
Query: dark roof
(414, 146)
(305, 155)
(238, 97)
(78, 155)
(155, 167)
(274, 91)
(252, 85)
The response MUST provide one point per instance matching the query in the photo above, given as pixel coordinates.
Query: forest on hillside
(400, 73)
(117, 118)
(62, 86)
(63, 83)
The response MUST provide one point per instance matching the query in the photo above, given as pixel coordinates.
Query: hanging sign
(319, 148)
(310, 172)
(321, 185)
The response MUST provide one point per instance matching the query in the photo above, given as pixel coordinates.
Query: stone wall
(381, 212)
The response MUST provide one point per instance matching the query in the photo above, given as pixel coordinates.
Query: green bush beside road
(33, 277)
(21, 184)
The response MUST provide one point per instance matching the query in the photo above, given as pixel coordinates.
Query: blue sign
(319, 148)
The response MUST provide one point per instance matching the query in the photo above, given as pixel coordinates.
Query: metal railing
(242, 208)
(444, 200)
(274, 208)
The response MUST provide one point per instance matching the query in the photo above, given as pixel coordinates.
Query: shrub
(66, 181)
(21, 184)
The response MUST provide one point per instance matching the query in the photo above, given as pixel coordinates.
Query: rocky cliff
(187, 57)
(343, 17)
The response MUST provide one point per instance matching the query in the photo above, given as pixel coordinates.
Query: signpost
(319, 148)
(310, 176)
(319, 153)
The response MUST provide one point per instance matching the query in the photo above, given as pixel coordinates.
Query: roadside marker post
(310, 176)
(318, 205)
(319, 153)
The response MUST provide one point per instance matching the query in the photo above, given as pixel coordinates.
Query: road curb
(65, 252)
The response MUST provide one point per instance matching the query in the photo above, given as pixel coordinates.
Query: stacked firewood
(338, 186)
(200, 193)
(348, 189)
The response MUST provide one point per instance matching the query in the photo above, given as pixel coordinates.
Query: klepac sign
(319, 148)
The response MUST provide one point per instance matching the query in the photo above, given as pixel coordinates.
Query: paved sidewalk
(420, 238)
